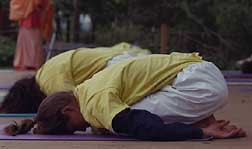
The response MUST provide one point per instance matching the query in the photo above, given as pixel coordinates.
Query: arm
(147, 126)
(144, 125)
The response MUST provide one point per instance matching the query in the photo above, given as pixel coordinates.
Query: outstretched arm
(147, 126)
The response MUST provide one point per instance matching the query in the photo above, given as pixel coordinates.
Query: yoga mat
(236, 74)
(74, 137)
(240, 83)
(238, 80)
(5, 87)
(245, 89)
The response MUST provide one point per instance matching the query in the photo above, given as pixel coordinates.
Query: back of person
(63, 72)
(115, 88)
(105, 101)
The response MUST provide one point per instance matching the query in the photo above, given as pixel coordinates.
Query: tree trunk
(1, 19)
(5, 23)
(76, 26)
(164, 30)
(58, 27)
(68, 29)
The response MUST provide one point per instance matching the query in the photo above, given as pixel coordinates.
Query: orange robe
(20, 9)
(35, 21)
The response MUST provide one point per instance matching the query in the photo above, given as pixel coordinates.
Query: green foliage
(4, 5)
(127, 32)
(5, 2)
(224, 27)
(221, 30)
(64, 5)
(7, 49)
(103, 12)
(151, 12)
(117, 32)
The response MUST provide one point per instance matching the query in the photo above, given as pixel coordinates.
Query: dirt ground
(237, 111)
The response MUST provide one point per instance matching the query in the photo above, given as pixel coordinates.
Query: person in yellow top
(109, 101)
(63, 73)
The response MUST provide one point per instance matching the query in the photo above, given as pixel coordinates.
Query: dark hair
(246, 67)
(49, 119)
(15, 128)
(24, 96)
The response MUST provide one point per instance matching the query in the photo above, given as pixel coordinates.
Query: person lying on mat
(62, 73)
(156, 97)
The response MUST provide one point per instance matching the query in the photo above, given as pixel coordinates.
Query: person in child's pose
(157, 97)
(63, 73)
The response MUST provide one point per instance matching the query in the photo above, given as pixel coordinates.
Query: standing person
(112, 99)
(35, 22)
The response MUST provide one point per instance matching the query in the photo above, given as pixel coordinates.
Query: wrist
(206, 133)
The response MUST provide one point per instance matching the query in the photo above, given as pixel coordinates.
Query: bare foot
(222, 130)
(205, 122)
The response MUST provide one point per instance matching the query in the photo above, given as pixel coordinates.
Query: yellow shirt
(69, 69)
(112, 90)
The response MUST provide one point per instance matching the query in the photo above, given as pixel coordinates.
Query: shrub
(7, 49)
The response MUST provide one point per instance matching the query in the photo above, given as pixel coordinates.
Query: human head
(24, 96)
(57, 114)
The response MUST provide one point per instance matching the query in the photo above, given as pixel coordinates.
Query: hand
(229, 128)
(221, 130)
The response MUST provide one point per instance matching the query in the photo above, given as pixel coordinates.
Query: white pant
(197, 92)
(124, 56)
